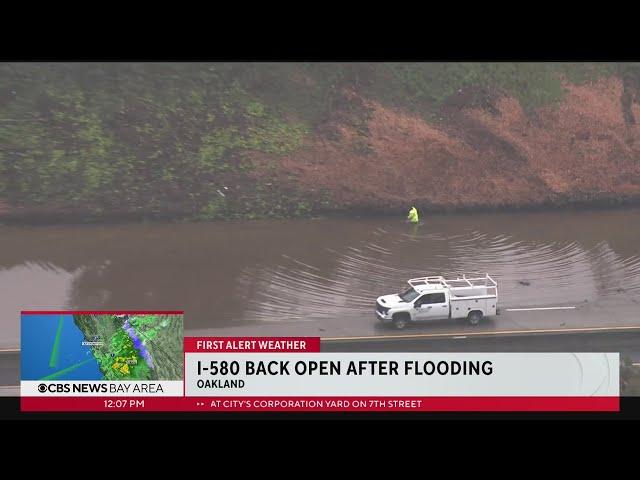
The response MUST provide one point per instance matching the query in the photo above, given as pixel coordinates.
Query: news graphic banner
(72, 355)
(294, 375)
(139, 361)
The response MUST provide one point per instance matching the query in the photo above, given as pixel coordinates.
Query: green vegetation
(629, 378)
(125, 137)
(163, 337)
(426, 87)
(175, 138)
(120, 359)
(116, 349)
(55, 351)
(124, 361)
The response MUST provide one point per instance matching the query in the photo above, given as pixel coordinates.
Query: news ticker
(293, 374)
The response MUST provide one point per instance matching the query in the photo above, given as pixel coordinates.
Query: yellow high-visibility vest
(413, 215)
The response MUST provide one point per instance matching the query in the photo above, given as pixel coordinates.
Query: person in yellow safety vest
(413, 215)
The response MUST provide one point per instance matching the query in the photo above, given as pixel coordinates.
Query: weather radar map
(114, 346)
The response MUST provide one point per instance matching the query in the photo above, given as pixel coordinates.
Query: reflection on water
(301, 270)
(30, 286)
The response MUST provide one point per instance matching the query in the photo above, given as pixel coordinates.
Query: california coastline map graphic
(63, 346)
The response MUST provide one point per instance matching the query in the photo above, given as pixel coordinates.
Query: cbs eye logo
(42, 388)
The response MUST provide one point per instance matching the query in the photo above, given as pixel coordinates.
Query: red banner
(320, 404)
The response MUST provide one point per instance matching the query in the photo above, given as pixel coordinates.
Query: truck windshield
(409, 295)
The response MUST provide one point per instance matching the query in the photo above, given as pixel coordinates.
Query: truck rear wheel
(475, 317)
(400, 320)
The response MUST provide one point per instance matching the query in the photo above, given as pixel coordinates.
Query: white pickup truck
(435, 298)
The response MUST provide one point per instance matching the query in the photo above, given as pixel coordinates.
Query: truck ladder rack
(459, 283)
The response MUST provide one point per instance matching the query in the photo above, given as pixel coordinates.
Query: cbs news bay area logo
(102, 387)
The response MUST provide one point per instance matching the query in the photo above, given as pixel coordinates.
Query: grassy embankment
(156, 140)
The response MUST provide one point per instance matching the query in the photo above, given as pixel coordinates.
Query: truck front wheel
(400, 320)
(475, 317)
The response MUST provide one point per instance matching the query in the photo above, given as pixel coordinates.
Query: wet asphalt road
(617, 311)
(627, 342)
(9, 372)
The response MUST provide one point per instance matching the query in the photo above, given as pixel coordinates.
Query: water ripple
(345, 281)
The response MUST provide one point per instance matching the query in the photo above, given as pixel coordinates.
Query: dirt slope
(582, 149)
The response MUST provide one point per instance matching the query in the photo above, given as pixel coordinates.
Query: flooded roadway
(321, 277)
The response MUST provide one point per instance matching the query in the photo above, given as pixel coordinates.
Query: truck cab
(437, 298)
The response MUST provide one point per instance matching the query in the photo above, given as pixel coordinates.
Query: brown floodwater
(257, 272)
